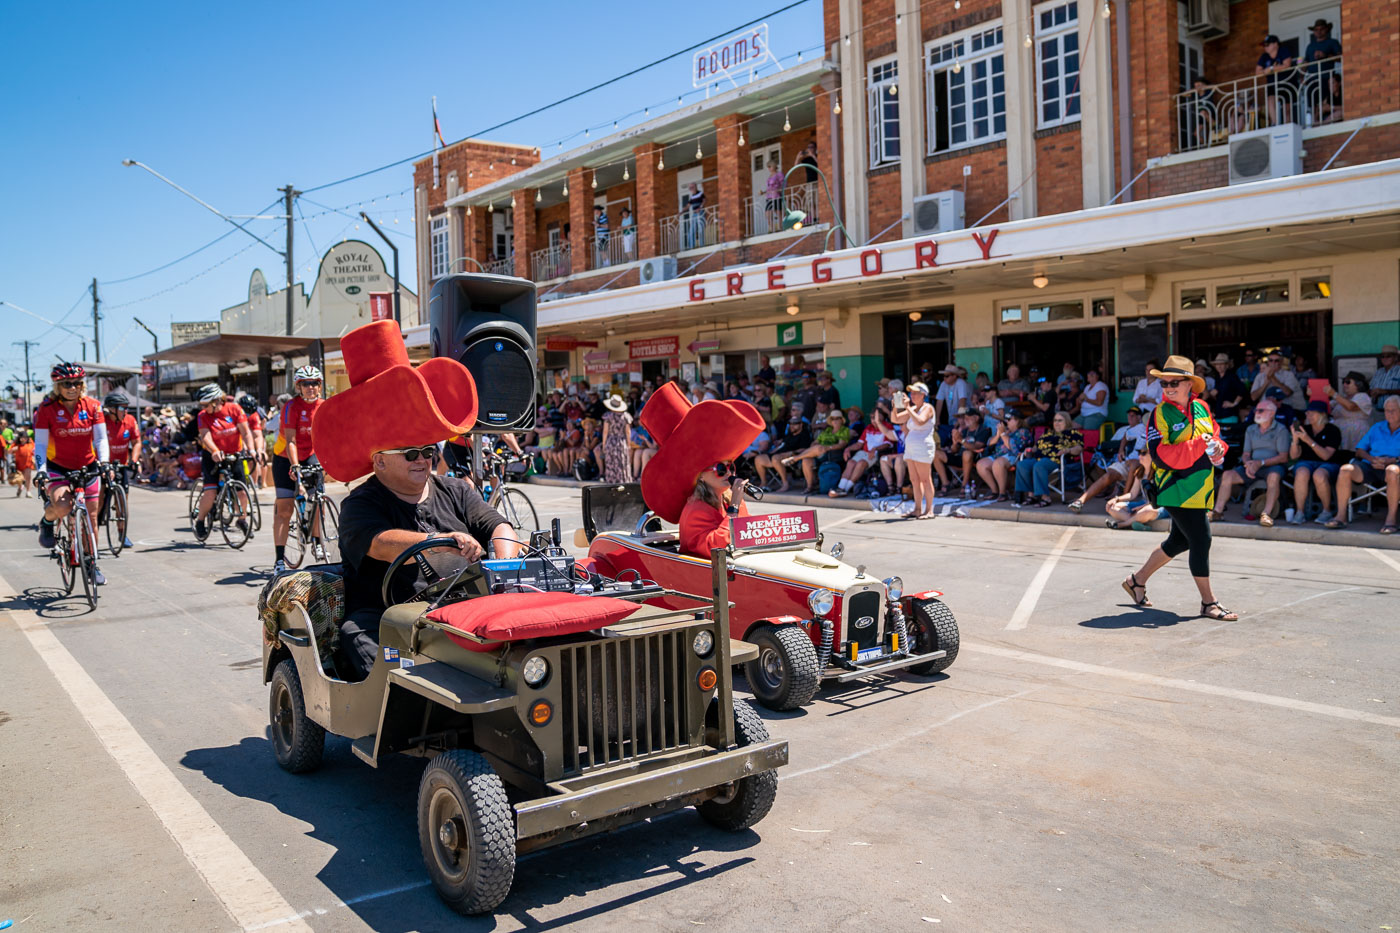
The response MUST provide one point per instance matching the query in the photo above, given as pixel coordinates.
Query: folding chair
(1365, 496)
(1085, 457)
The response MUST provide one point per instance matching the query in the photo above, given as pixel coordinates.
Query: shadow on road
(368, 817)
(1135, 618)
(253, 577)
(50, 603)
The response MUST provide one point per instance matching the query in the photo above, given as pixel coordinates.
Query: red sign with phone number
(775, 528)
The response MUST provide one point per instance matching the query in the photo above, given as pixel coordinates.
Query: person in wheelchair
(388, 423)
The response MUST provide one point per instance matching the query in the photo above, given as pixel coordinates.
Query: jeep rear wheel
(297, 741)
(784, 676)
(466, 831)
(933, 628)
(743, 803)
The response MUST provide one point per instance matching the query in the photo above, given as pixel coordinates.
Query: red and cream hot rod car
(812, 616)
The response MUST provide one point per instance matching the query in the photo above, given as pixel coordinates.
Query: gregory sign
(749, 531)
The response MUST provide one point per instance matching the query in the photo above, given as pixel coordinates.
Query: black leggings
(1190, 531)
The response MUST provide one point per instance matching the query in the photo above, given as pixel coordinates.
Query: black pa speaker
(487, 323)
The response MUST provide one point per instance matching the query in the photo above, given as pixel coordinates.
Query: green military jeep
(551, 703)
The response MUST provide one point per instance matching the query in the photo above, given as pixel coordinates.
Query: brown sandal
(1130, 585)
(1218, 612)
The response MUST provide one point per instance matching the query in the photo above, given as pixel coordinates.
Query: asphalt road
(1092, 767)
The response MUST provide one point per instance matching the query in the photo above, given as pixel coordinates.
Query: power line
(564, 100)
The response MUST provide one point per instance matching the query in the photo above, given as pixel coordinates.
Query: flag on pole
(437, 127)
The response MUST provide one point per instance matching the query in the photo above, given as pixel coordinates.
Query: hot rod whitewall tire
(784, 676)
(296, 740)
(466, 831)
(745, 802)
(933, 628)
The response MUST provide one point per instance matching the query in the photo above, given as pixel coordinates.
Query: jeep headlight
(894, 587)
(535, 670)
(703, 644)
(821, 603)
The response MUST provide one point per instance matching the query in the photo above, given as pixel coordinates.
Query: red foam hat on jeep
(691, 439)
(390, 403)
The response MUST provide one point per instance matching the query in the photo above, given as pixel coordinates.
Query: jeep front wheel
(933, 628)
(746, 801)
(466, 831)
(784, 676)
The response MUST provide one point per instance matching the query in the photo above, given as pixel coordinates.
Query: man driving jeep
(388, 423)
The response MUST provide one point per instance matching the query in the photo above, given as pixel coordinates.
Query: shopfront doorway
(1087, 348)
(913, 338)
(1304, 332)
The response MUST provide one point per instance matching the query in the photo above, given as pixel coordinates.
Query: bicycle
(311, 509)
(513, 504)
(230, 509)
(75, 539)
(115, 511)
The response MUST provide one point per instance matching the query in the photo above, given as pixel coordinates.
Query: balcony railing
(1310, 94)
(500, 266)
(613, 248)
(762, 215)
(552, 262)
(689, 230)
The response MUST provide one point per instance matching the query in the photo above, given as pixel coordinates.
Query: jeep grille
(628, 698)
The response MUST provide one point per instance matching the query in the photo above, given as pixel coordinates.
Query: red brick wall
(526, 233)
(476, 163)
(1059, 171)
(877, 29)
(937, 23)
(647, 211)
(1370, 32)
(1152, 67)
(1235, 55)
(986, 186)
(886, 202)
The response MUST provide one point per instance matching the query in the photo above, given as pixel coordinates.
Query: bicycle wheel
(516, 508)
(234, 523)
(254, 506)
(85, 550)
(330, 529)
(63, 552)
(196, 490)
(296, 544)
(116, 519)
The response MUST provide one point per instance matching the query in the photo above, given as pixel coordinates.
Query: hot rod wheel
(466, 831)
(785, 675)
(933, 628)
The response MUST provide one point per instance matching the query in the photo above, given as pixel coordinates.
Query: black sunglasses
(1171, 384)
(411, 454)
(723, 468)
(71, 384)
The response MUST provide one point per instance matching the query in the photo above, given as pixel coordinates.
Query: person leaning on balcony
(1202, 108)
(600, 234)
(695, 217)
(773, 196)
(809, 159)
(628, 227)
(1276, 65)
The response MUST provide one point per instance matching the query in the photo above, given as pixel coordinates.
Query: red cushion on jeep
(517, 616)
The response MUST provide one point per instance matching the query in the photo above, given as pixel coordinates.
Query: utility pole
(288, 193)
(96, 345)
(26, 344)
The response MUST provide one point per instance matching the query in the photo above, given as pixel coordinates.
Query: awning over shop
(229, 349)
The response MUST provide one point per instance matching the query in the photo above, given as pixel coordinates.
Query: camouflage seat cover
(320, 592)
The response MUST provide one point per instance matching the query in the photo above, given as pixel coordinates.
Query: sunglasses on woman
(1171, 383)
(724, 468)
(411, 454)
(71, 384)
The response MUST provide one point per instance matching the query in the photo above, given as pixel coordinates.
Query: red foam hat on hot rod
(691, 439)
(390, 403)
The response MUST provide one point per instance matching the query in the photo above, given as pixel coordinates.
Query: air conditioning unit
(939, 212)
(1275, 152)
(1209, 19)
(658, 269)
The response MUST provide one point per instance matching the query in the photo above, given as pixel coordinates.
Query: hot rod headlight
(821, 603)
(894, 587)
(535, 670)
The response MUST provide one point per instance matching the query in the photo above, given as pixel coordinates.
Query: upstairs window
(439, 238)
(1057, 59)
(965, 80)
(884, 112)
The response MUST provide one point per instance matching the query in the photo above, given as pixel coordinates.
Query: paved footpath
(1084, 765)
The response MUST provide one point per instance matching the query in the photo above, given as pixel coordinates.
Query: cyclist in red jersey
(69, 434)
(123, 444)
(255, 427)
(292, 449)
(223, 429)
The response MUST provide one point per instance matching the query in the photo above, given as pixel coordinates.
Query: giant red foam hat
(390, 403)
(690, 439)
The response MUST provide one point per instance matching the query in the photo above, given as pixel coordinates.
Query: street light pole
(398, 310)
(155, 347)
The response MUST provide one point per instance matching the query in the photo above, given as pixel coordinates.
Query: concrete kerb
(1231, 528)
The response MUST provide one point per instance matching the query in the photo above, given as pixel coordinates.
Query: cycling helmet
(68, 371)
(210, 393)
(116, 400)
(246, 403)
(307, 374)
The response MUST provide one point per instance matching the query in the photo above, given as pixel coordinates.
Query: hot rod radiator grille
(628, 699)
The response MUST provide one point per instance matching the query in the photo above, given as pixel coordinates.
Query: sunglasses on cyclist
(71, 384)
(724, 468)
(413, 453)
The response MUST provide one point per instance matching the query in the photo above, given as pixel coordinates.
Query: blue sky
(233, 101)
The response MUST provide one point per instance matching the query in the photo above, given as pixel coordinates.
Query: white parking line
(1383, 558)
(1249, 696)
(245, 893)
(348, 902)
(1026, 606)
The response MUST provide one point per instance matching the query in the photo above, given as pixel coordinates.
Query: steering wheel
(409, 553)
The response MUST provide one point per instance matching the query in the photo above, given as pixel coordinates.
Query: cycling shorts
(282, 475)
(58, 476)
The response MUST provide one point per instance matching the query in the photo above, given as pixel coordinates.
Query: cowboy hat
(1221, 358)
(690, 438)
(390, 403)
(950, 370)
(1180, 366)
(614, 403)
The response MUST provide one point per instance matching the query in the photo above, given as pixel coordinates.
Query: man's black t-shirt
(452, 505)
(830, 395)
(1329, 436)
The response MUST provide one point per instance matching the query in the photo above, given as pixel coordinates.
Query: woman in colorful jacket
(1184, 443)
